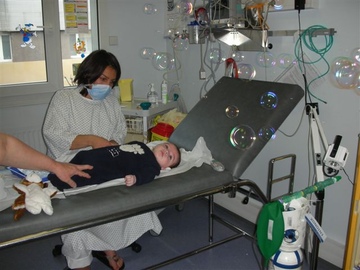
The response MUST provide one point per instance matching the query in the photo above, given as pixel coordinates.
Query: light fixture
(243, 39)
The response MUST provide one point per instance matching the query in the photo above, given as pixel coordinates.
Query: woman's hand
(66, 170)
(130, 180)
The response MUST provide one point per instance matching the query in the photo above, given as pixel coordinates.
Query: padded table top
(109, 204)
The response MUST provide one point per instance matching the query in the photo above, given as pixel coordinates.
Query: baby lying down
(135, 162)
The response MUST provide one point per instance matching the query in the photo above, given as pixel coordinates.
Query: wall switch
(113, 40)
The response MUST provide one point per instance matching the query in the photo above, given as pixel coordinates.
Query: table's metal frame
(231, 189)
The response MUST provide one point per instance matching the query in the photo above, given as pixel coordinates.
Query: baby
(134, 161)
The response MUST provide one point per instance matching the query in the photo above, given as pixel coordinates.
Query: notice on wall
(294, 75)
(76, 16)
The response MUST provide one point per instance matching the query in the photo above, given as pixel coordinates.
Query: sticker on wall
(80, 48)
(27, 35)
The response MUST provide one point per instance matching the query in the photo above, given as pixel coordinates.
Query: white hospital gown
(70, 114)
(77, 246)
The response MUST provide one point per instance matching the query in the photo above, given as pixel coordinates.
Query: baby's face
(167, 155)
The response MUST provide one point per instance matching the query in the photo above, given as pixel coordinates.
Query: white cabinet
(139, 121)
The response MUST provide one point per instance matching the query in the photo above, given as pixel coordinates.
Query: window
(38, 52)
(5, 51)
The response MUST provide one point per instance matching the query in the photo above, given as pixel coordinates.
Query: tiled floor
(183, 232)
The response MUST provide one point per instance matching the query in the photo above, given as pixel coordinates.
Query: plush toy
(34, 196)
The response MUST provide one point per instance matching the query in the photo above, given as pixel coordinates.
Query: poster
(76, 16)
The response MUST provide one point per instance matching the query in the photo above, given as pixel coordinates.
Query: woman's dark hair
(94, 65)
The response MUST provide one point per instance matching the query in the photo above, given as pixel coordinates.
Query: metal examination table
(236, 118)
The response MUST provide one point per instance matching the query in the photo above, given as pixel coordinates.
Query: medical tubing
(298, 127)
(211, 76)
(302, 61)
(314, 188)
(306, 38)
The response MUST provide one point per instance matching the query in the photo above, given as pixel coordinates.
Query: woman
(90, 117)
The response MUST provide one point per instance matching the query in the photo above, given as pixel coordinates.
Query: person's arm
(15, 153)
(82, 141)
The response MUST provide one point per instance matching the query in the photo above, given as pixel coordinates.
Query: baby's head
(167, 155)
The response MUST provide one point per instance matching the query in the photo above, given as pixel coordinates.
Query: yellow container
(157, 137)
(126, 90)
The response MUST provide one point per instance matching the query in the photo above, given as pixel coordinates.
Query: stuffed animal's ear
(19, 213)
(19, 203)
(19, 207)
(20, 188)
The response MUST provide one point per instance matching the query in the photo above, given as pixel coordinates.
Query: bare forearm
(82, 141)
(17, 154)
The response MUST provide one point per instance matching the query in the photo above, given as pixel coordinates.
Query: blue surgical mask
(99, 91)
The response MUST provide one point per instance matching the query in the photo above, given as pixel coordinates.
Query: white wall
(134, 29)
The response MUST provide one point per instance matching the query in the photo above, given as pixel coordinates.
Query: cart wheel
(57, 250)
(179, 207)
(136, 247)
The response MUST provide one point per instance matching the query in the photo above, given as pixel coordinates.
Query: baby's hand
(130, 180)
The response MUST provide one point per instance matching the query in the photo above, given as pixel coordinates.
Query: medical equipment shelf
(139, 121)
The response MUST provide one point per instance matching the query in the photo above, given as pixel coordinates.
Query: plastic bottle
(164, 92)
(152, 96)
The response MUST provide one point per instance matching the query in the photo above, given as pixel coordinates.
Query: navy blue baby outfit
(113, 162)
